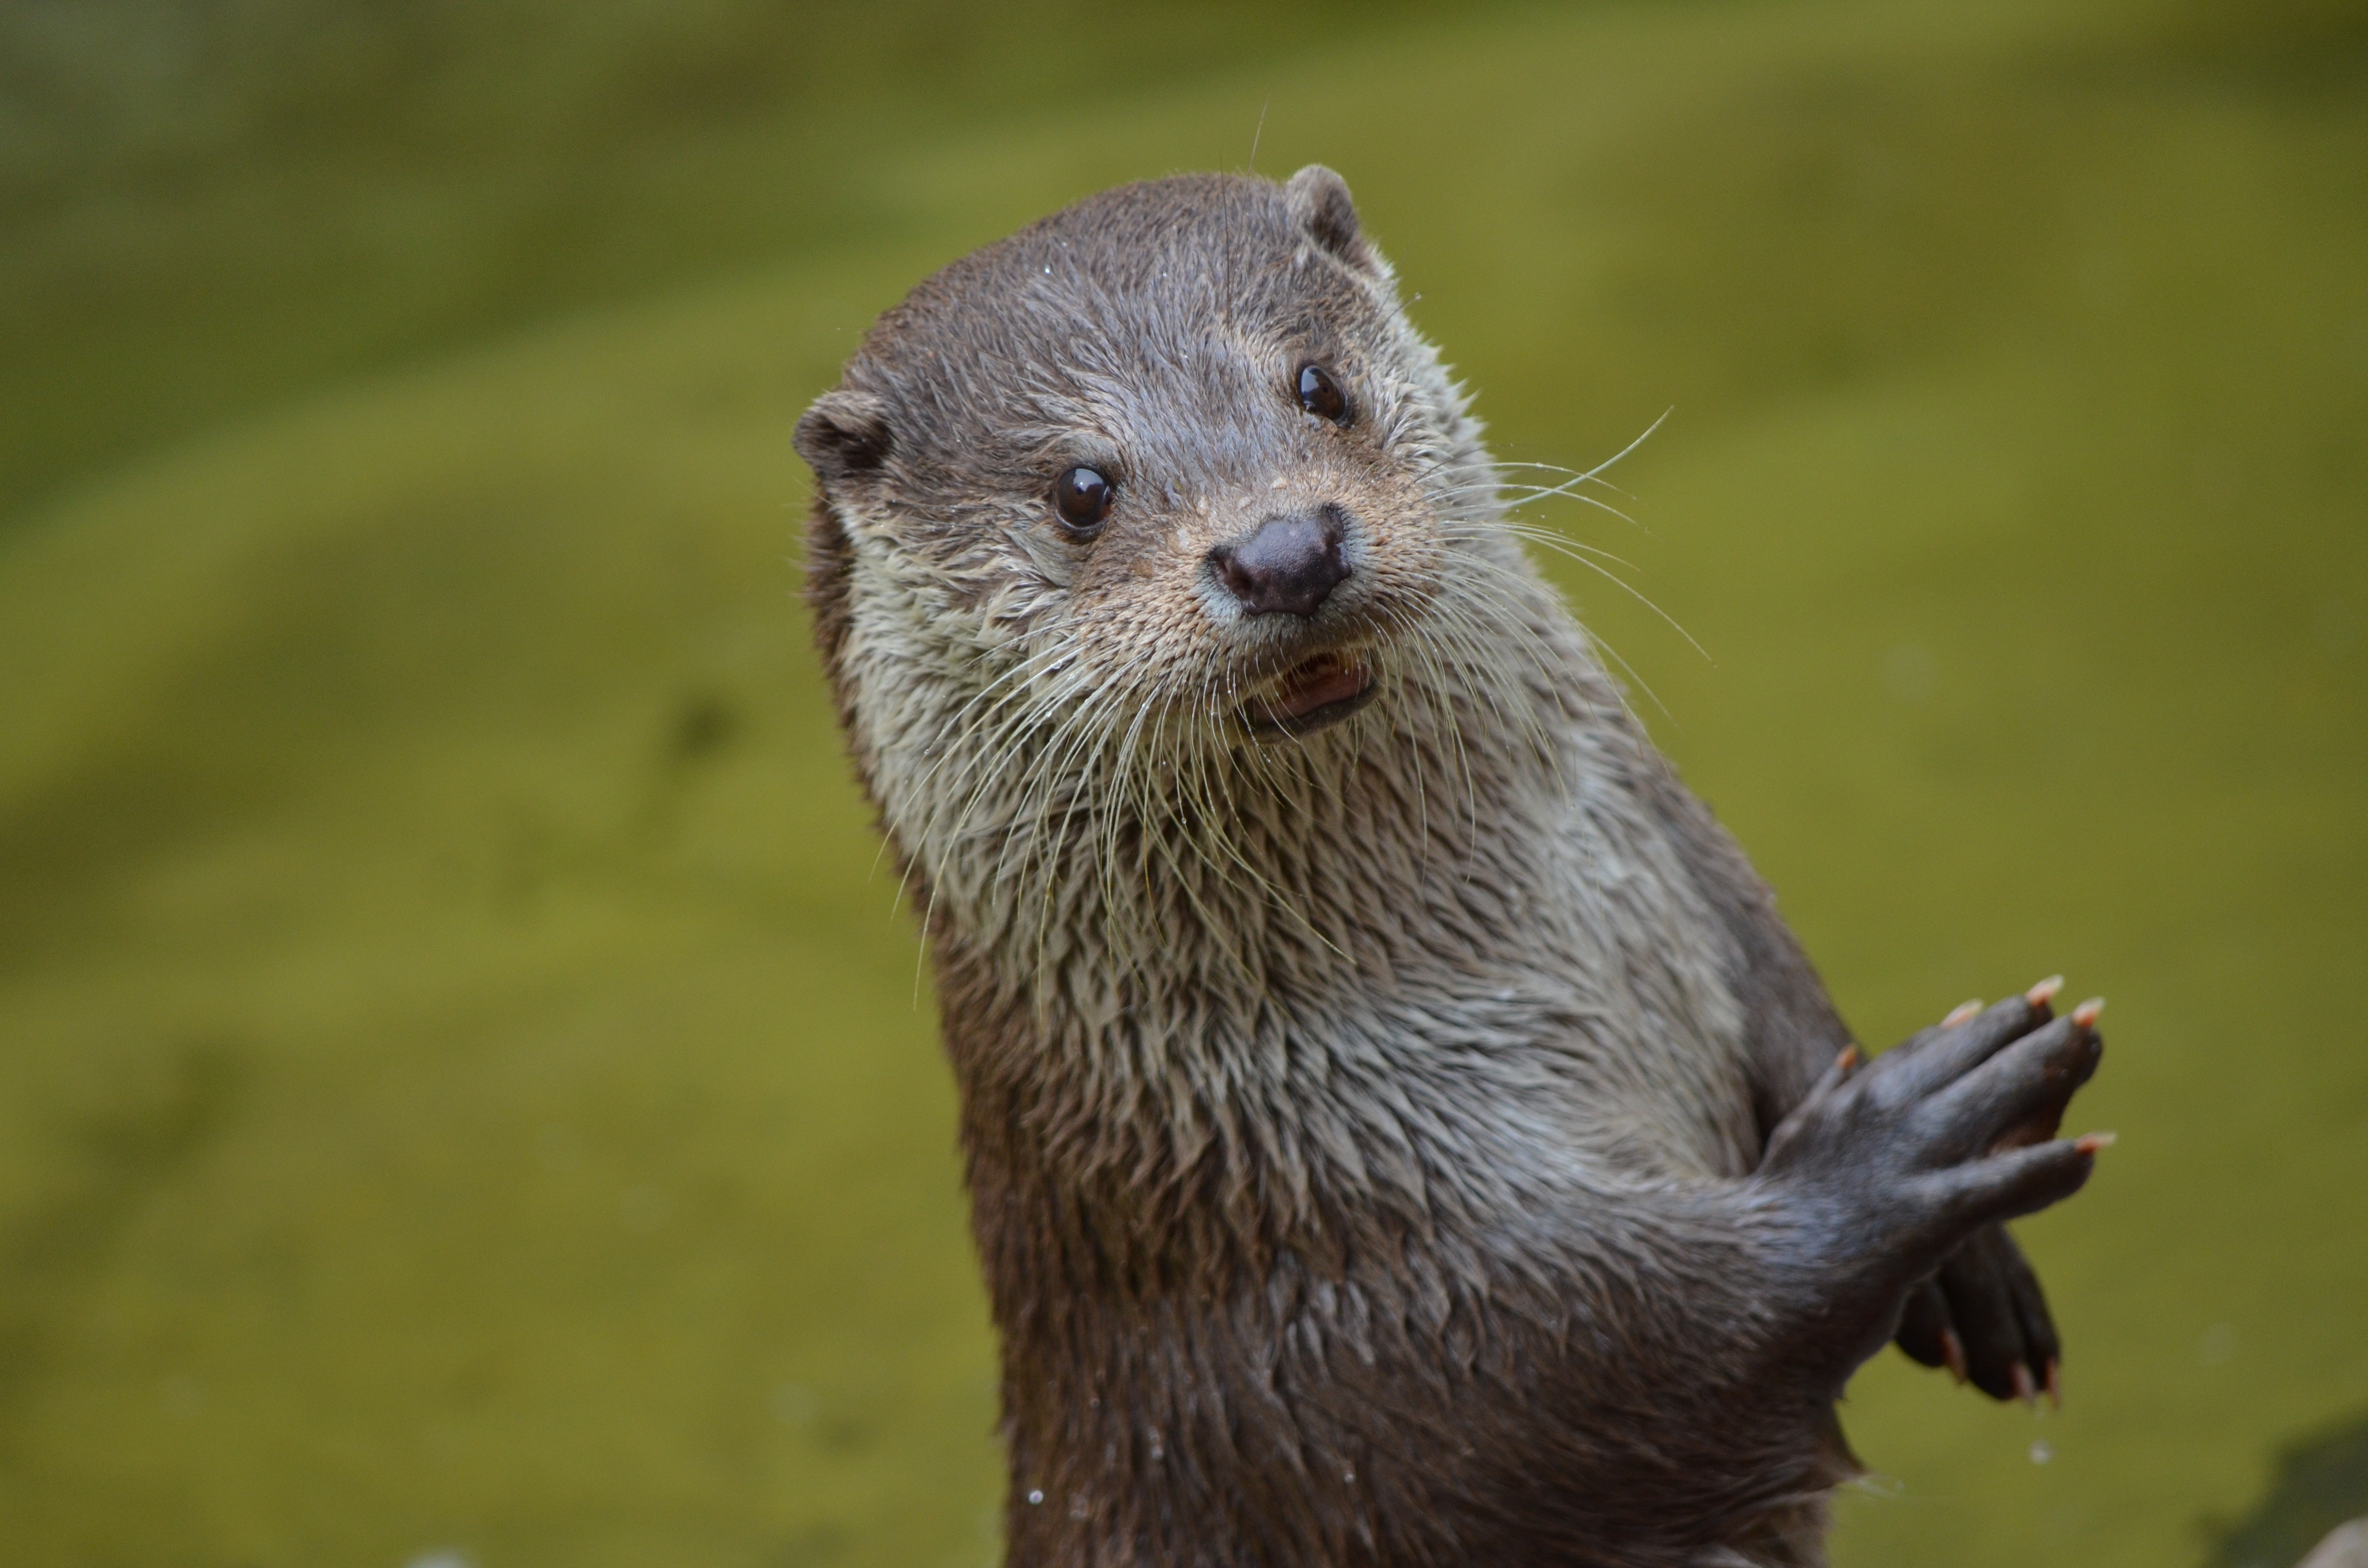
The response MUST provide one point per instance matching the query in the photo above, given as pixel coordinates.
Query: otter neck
(1310, 988)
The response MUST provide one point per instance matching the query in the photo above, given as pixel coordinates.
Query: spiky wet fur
(1357, 1127)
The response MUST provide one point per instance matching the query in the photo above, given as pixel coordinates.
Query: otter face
(1160, 483)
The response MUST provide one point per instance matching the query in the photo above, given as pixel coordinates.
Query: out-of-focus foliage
(2320, 1483)
(207, 205)
(463, 1083)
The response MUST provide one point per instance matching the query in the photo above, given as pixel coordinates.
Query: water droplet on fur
(1034, 1498)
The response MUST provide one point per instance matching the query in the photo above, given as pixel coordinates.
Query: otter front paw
(1985, 1318)
(1889, 1167)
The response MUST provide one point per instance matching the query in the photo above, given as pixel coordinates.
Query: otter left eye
(1321, 395)
(1084, 498)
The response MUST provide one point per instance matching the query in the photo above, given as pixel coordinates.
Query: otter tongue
(1319, 683)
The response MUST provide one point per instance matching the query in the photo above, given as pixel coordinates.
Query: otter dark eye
(1321, 395)
(1084, 498)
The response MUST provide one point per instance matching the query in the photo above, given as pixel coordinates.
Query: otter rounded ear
(1321, 204)
(844, 433)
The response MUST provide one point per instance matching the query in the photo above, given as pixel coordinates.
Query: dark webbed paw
(1898, 1173)
(1985, 1318)
(1983, 1315)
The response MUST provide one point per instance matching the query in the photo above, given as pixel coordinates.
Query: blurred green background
(465, 1089)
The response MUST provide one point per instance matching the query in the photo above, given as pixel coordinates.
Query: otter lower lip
(1324, 690)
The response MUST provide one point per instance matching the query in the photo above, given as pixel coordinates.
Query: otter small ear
(1321, 204)
(844, 433)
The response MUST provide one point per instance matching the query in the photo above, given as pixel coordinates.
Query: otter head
(1145, 529)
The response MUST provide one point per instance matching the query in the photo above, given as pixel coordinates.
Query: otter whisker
(1077, 730)
(1603, 467)
(1555, 540)
(1562, 546)
(1216, 818)
(966, 724)
(1055, 714)
(1479, 574)
(1590, 476)
(1437, 687)
(1527, 495)
(1491, 572)
(969, 720)
(1120, 804)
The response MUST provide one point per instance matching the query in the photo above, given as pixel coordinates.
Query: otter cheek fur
(1399, 1128)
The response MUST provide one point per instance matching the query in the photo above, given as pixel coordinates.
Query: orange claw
(2089, 1143)
(1961, 1012)
(2086, 1012)
(2045, 992)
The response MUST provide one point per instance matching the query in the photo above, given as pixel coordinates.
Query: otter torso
(1369, 1052)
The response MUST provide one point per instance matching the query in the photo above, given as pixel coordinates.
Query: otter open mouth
(1324, 690)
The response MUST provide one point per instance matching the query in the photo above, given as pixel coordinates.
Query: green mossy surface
(465, 1083)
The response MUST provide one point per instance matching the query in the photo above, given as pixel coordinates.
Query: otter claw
(1929, 1146)
(1953, 1353)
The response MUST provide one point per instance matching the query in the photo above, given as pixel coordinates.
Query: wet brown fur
(1330, 1212)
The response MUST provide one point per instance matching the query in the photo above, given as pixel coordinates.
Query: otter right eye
(1084, 498)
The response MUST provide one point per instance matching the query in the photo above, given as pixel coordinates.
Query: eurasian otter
(1399, 1128)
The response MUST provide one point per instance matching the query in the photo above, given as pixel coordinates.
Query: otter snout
(1288, 565)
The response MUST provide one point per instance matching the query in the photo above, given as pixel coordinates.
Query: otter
(1399, 1128)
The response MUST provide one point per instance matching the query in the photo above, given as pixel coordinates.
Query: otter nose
(1288, 564)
